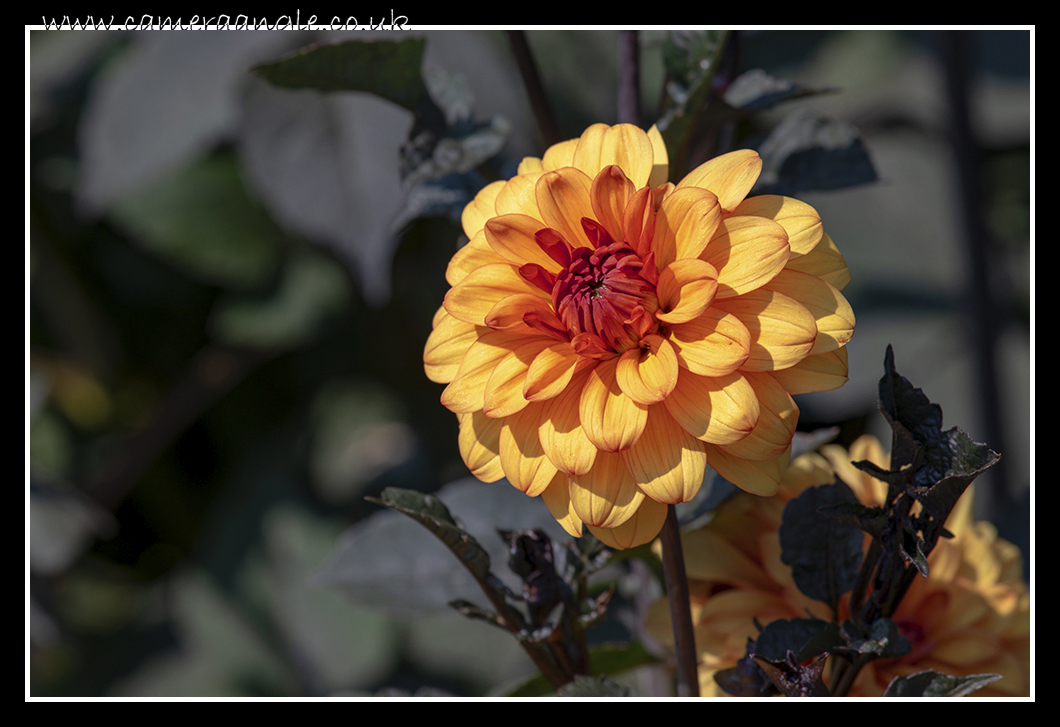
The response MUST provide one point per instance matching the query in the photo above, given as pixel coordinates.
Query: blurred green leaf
(311, 290)
(932, 684)
(202, 221)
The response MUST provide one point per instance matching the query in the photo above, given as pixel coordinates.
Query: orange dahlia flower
(608, 334)
(970, 615)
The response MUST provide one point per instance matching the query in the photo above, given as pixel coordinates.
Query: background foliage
(230, 285)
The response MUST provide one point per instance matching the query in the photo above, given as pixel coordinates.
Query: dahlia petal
(759, 477)
(522, 458)
(561, 432)
(563, 198)
(667, 462)
(799, 220)
(550, 372)
(782, 330)
(748, 252)
(710, 556)
(624, 145)
(642, 528)
(648, 373)
(607, 495)
(510, 314)
(471, 299)
(729, 176)
(831, 311)
(610, 192)
(612, 420)
(825, 262)
(719, 410)
(714, 344)
(777, 418)
(660, 169)
(559, 155)
(479, 445)
(472, 256)
(503, 395)
(686, 221)
(513, 238)
(557, 498)
(639, 221)
(529, 165)
(446, 347)
(480, 209)
(685, 289)
(823, 372)
(518, 196)
(466, 392)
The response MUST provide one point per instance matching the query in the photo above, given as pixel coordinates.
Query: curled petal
(526, 314)
(563, 198)
(612, 420)
(686, 288)
(503, 395)
(825, 262)
(799, 220)
(729, 176)
(551, 372)
(473, 297)
(522, 458)
(639, 221)
(480, 209)
(562, 436)
(472, 256)
(466, 392)
(831, 311)
(607, 495)
(446, 346)
(782, 330)
(667, 462)
(759, 477)
(777, 418)
(479, 443)
(557, 499)
(715, 344)
(747, 252)
(513, 237)
(624, 145)
(638, 530)
(824, 372)
(611, 191)
(719, 410)
(685, 222)
(648, 373)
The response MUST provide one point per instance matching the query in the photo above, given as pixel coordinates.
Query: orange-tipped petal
(824, 372)
(557, 498)
(611, 191)
(563, 198)
(607, 495)
(685, 222)
(479, 443)
(714, 344)
(825, 262)
(473, 297)
(480, 209)
(522, 458)
(648, 373)
(561, 432)
(831, 311)
(685, 290)
(512, 237)
(759, 477)
(782, 330)
(642, 528)
(777, 418)
(667, 462)
(729, 176)
(799, 220)
(748, 252)
(446, 346)
(719, 410)
(624, 145)
(612, 420)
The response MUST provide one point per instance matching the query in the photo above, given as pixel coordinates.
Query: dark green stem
(535, 89)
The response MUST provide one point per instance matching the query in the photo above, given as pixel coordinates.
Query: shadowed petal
(824, 372)
(685, 222)
(551, 372)
(611, 420)
(782, 330)
(831, 311)
(667, 462)
(720, 410)
(777, 418)
(648, 373)
(482, 288)
(642, 528)
(747, 252)
(759, 477)
(607, 495)
(446, 347)
(466, 392)
(503, 395)
(799, 220)
(714, 344)
(479, 445)
(472, 256)
(557, 499)
(685, 290)
(562, 436)
(513, 238)
(825, 262)
(522, 458)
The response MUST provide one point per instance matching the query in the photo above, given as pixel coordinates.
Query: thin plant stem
(628, 77)
(680, 611)
(535, 89)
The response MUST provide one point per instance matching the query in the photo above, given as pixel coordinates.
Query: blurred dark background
(230, 289)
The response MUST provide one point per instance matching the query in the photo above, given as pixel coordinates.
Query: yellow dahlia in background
(609, 334)
(970, 615)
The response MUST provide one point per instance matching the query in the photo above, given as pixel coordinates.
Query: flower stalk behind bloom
(608, 335)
